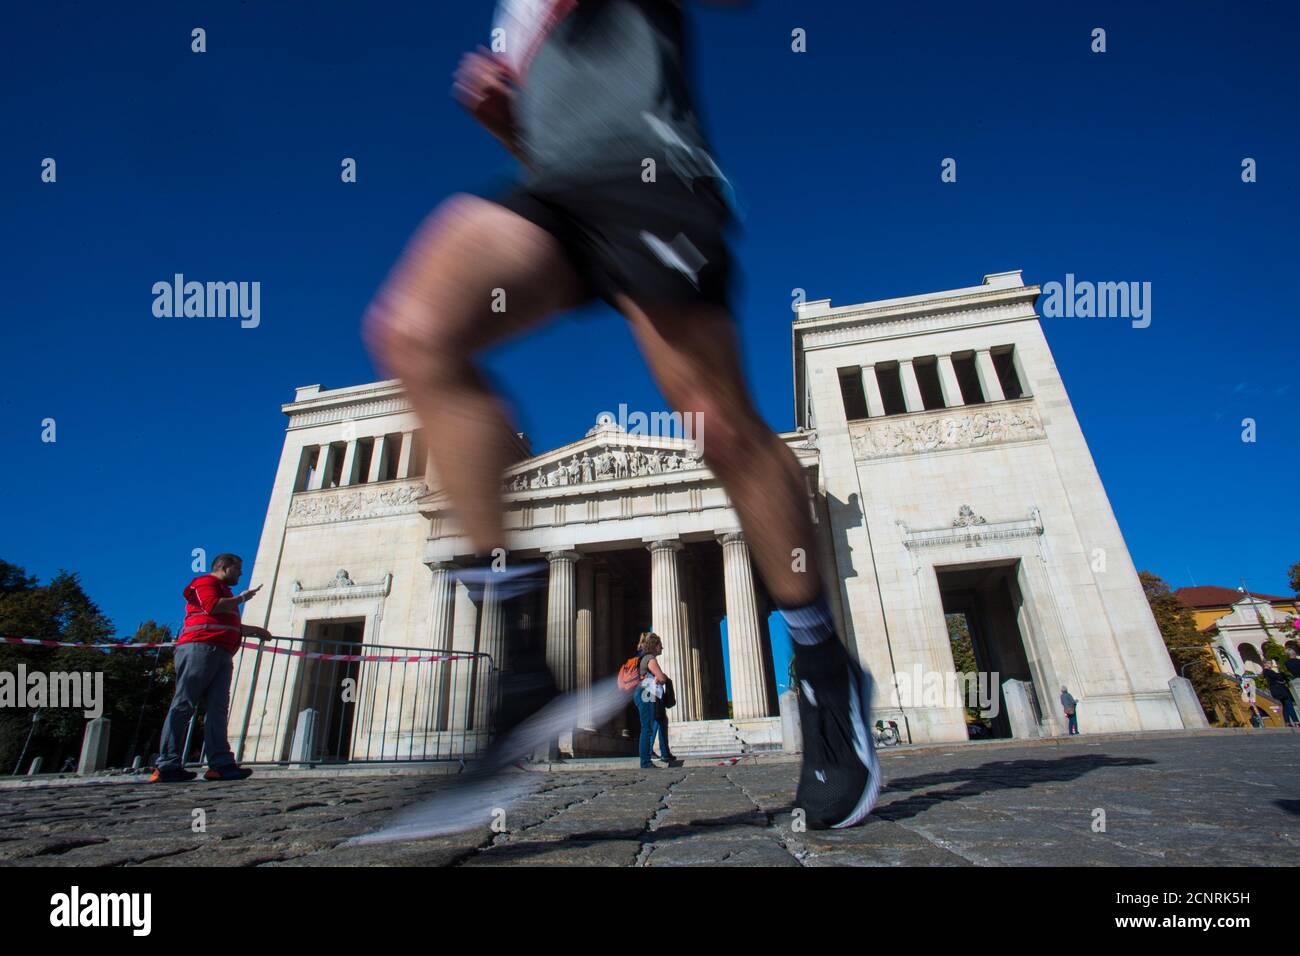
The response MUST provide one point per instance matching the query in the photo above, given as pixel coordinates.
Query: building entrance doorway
(321, 686)
(982, 604)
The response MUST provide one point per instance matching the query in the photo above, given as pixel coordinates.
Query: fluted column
(560, 619)
(990, 384)
(441, 615)
(603, 652)
(948, 383)
(670, 622)
(749, 697)
(492, 642)
(584, 643)
(871, 388)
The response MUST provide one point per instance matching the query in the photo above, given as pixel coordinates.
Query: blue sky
(1116, 166)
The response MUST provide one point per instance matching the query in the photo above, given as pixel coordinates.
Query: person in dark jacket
(1071, 707)
(1279, 689)
(1292, 662)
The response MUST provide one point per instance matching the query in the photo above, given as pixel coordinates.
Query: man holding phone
(205, 651)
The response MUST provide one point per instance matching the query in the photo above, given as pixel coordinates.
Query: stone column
(560, 619)
(1021, 375)
(948, 383)
(749, 696)
(871, 388)
(491, 641)
(441, 615)
(990, 385)
(347, 477)
(669, 621)
(912, 400)
(584, 641)
(377, 458)
(404, 455)
(318, 473)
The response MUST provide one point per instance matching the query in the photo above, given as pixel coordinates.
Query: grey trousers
(203, 674)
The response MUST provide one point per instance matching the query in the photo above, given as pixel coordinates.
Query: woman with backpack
(651, 681)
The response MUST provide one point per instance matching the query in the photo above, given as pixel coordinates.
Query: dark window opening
(855, 399)
(365, 453)
(968, 379)
(306, 468)
(927, 378)
(392, 452)
(891, 388)
(419, 456)
(335, 468)
(1005, 364)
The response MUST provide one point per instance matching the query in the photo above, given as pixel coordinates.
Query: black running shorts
(660, 243)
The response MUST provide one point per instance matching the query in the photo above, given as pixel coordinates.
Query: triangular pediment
(605, 457)
(605, 453)
(610, 458)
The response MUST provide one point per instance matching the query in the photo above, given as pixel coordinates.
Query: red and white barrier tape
(253, 646)
(89, 647)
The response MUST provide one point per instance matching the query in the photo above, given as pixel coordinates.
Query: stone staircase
(706, 737)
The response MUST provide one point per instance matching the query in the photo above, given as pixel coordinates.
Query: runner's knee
(730, 433)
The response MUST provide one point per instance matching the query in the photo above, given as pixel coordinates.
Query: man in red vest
(204, 654)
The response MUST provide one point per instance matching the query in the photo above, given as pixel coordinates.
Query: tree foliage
(136, 684)
(1192, 654)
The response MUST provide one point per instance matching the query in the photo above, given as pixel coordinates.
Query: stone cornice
(972, 531)
(343, 588)
(347, 404)
(1019, 298)
(894, 324)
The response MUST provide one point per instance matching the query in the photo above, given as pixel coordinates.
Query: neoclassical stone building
(947, 475)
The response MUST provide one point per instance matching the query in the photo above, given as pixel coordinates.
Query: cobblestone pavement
(1230, 798)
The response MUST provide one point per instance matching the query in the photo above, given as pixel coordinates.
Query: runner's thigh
(473, 274)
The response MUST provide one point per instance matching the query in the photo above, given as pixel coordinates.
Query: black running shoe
(840, 779)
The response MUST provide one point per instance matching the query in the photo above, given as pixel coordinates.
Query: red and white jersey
(524, 25)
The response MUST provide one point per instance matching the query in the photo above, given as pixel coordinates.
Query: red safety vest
(222, 628)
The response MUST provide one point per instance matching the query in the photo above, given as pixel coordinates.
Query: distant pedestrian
(1071, 707)
(205, 650)
(1280, 690)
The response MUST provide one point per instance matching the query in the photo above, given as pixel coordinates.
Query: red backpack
(629, 675)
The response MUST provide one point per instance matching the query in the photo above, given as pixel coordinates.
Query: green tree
(1191, 653)
(136, 684)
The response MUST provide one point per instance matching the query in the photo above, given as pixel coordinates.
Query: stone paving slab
(1167, 799)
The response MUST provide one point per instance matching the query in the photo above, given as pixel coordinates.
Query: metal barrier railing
(307, 701)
